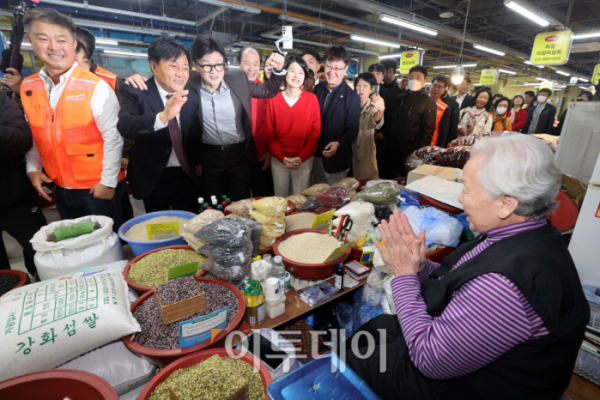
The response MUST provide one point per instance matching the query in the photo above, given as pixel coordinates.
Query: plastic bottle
(228, 200)
(220, 207)
(204, 206)
(339, 277)
(278, 271)
(213, 200)
(223, 197)
(224, 203)
(201, 202)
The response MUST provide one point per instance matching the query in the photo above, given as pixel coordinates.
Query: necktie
(177, 143)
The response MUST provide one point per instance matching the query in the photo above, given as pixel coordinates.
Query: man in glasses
(446, 122)
(340, 119)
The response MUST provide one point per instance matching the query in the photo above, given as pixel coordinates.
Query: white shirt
(291, 101)
(460, 99)
(158, 125)
(105, 111)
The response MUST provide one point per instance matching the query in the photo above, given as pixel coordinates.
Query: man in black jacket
(540, 118)
(20, 214)
(389, 76)
(409, 122)
(462, 97)
(340, 119)
(454, 111)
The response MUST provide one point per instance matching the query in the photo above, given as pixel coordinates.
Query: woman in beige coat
(364, 160)
(478, 117)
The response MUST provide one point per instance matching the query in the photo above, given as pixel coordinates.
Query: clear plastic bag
(255, 231)
(372, 297)
(361, 212)
(440, 228)
(230, 232)
(273, 230)
(362, 312)
(336, 198)
(324, 209)
(347, 183)
(297, 199)
(470, 140)
(384, 193)
(316, 190)
(266, 241)
(229, 273)
(375, 280)
(271, 206)
(310, 205)
(228, 256)
(345, 317)
(266, 219)
(202, 219)
(242, 207)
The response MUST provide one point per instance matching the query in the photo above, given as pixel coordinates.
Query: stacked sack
(270, 213)
(361, 213)
(240, 209)
(197, 223)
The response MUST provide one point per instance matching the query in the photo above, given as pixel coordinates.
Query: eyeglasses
(329, 67)
(439, 87)
(208, 67)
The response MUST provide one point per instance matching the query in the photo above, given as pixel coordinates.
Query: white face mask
(541, 99)
(501, 110)
(414, 85)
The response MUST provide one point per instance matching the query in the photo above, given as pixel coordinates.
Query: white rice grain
(308, 248)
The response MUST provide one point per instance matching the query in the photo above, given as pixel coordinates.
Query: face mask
(541, 99)
(501, 110)
(414, 85)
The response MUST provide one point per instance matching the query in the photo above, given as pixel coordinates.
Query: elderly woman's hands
(404, 252)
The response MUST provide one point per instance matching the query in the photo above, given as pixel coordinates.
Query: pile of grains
(140, 233)
(299, 221)
(308, 248)
(178, 290)
(156, 335)
(213, 379)
(153, 270)
(7, 282)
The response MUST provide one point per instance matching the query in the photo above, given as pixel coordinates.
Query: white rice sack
(100, 247)
(356, 230)
(48, 323)
(360, 212)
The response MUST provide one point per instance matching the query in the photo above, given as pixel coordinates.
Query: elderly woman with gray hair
(504, 315)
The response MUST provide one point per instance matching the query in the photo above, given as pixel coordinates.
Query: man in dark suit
(163, 121)
(540, 118)
(463, 98)
(340, 119)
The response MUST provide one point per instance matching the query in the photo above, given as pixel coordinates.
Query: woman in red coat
(517, 115)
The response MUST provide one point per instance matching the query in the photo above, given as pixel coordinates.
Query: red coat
(520, 119)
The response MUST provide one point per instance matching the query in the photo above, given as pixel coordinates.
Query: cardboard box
(575, 189)
(426, 170)
(545, 136)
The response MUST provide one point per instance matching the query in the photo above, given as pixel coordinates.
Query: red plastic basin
(309, 271)
(439, 254)
(57, 384)
(164, 357)
(23, 277)
(140, 289)
(198, 357)
(564, 216)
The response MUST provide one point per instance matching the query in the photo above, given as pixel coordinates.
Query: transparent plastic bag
(230, 273)
(266, 219)
(202, 219)
(440, 228)
(361, 212)
(310, 205)
(372, 297)
(470, 140)
(324, 209)
(242, 207)
(297, 199)
(228, 256)
(384, 193)
(266, 241)
(387, 286)
(337, 197)
(230, 232)
(271, 206)
(375, 280)
(273, 230)
(345, 317)
(362, 312)
(255, 231)
(316, 190)
(347, 183)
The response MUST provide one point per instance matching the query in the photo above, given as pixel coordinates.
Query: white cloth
(291, 101)
(460, 99)
(105, 110)
(281, 177)
(158, 125)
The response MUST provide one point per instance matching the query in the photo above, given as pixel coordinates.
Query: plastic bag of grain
(54, 259)
(225, 232)
(356, 230)
(271, 206)
(48, 323)
(360, 212)
(316, 190)
(297, 199)
(242, 207)
(266, 241)
(203, 219)
(347, 183)
(273, 230)
(266, 219)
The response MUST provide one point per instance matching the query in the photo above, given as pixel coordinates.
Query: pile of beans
(178, 290)
(7, 282)
(213, 379)
(156, 335)
(153, 270)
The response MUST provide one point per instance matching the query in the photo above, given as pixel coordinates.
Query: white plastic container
(276, 308)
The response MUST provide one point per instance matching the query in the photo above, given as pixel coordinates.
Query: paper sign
(551, 48)
(321, 221)
(338, 252)
(72, 231)
(409, 59)
(547, 85)
(596, 74)
(164, 230)
(200, 329)
(179, 271)
(489, 77)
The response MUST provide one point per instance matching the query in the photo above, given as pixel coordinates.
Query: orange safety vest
(68, 140)
(106, 76)
(441, 107)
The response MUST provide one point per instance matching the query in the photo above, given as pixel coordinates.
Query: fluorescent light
(488, 49)
(389, 55)
(407, 24)
(507, 71)
(542, 79)
(562, 73)
(101, 40)
(374, 41)
(525, 12)
(583, 87)
(454, 66)
(583, 80)
(125, 53)
(587, 35)
(528, 63)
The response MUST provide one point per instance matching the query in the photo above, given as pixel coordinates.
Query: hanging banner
(551, 48)
(489, 77)
(409, 59)
(547, 85)
(596, 74)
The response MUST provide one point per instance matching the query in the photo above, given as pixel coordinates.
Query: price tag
(72, 231)
(200, 329)
(489, 77)
(409, 59)
(596, 75)
(321, 221)
(551, 48)
(164, 230)
(338, 252)
(179, 271)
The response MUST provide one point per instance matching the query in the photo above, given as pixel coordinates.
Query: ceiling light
(374, 41)
(583, 80)
(406, 24)
(583, 87)
(542, 79)
(488, 49)
(512, 4)
(101, 40)
(562, 73)
(507, 71)
(125, 53)
(454, 66)
(587, 35)
(528, 63)
(458, 75)
(390, 55)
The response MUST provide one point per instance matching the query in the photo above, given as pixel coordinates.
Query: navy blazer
(150, 153)
(340, 124)
(466, 101)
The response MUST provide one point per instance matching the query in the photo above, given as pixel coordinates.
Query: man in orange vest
(442, 118)
(73, 116)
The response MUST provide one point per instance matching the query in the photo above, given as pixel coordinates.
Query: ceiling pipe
(317, 44)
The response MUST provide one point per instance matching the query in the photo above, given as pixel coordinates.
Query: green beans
(153, 270)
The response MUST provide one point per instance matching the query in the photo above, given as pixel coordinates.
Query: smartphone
(375, 90)
(269, 353)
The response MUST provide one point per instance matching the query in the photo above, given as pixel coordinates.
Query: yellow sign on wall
(547, 85)
(489, 77)
(596, 74)
(551, 48)
(409, 59)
